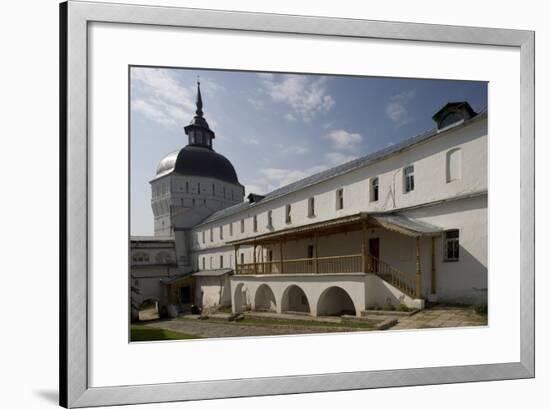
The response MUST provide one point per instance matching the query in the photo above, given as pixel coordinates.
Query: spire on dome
(199, 99)
(198, 130)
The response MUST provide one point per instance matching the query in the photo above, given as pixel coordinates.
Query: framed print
(318, 204)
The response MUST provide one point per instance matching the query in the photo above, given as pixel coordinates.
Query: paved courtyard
(442, 317)
(258, 325)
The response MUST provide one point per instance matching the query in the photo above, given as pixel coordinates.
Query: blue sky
(277, 128)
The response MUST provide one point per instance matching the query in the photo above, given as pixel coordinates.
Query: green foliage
(403, 308)
(144, 333)
(389, 307)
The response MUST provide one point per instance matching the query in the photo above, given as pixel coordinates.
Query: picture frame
(75, 389)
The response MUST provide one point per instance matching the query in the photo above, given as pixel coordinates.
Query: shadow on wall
(265, 299)
(464, 281)
(295, 300)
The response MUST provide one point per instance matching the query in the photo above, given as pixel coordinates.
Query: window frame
(446, 241)
(408, 187)
(374, 189)
(340, 198)
(311, 207)
(288, 213)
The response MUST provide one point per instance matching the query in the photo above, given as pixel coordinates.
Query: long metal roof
(338, 170)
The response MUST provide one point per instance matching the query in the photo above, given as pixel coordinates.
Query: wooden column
(434, 281)
(418, 270)
(282, 269)
(236, 260)
(315, 251)
(364, 245)
(254, 257)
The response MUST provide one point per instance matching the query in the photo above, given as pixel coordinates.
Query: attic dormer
(452, 114)
(254, 198)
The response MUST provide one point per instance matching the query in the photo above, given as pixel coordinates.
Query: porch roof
(404, 225)
(213, 273)
(338, 224)
(392, 221)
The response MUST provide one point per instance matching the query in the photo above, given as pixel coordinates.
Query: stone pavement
(441, 317)
(435, 317)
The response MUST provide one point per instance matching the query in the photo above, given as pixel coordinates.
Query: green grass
(143, 333)
(303, 323)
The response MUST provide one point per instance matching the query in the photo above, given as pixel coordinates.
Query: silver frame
(74, 18)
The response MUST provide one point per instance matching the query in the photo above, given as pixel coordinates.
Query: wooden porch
(407, 282)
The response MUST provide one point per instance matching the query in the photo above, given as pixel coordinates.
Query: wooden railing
(353, 263)
(403, 281)
(321, 265)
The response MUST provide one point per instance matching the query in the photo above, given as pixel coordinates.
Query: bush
(481, 308)
(389, 307)
(403, 308)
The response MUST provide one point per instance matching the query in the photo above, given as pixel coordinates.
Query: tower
(192, 183)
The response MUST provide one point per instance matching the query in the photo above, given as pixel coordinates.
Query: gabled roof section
(338, 170)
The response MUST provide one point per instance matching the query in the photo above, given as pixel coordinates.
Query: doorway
(374, 250)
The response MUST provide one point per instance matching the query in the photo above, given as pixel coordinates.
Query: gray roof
(404, 225)
(336, 171)
(213, 273)
(151, 238)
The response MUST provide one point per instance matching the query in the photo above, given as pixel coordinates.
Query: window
(221, 261)
(310, 251)
(311, 207)
(203, 240)
(221, 232)
(288, 215)
(224, 192)
(255, 223)
(231, 229)
(204, 263)
(374, 190)
(242, 225)
(242, 258)
(451, 245)
(211, 234)
(339, 199)
(193, 202)
(269, 218)
(140, 257)
(408, 174)
(454, 160)
(213, 189)
(199, 187)
(210, 261)
(186, 187)
(163, 257)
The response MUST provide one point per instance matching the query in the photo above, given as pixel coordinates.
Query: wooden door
(374, 250)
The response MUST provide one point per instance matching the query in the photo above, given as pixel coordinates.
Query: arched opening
(335, 301)
(265, 299)
(242, 298)
(149, 310)
(295, 300)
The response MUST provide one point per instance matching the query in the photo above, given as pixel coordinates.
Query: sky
(277, 128)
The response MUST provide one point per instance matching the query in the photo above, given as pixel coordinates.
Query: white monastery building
(404, 225)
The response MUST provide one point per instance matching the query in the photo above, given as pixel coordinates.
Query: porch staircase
(402, 281)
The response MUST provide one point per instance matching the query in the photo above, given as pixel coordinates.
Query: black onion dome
(198, 161)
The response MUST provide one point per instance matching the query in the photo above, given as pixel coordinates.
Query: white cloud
(290, 117)
(306, 96)
(397, 107)
(337, 158)
(250, 140)
(342, 139)
(161, 97)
